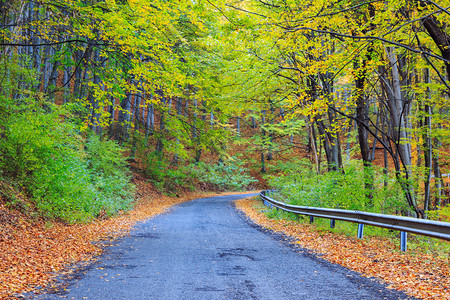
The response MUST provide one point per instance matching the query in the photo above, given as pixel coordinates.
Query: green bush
(163, 175)
(109, 174)
(42, 149)
(346, 190)
(229, 175)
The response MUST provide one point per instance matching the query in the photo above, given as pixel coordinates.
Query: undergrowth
(67, 174)
(301, 185)
(67, 177)
(169, 177)
(228, 175)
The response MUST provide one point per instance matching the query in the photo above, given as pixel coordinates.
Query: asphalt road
(205, 249)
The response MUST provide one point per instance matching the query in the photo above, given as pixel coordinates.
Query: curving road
(205, 249)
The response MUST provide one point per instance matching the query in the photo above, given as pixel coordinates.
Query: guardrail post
(332, 223)
(360, 231)
(311, 219)
(403, 240)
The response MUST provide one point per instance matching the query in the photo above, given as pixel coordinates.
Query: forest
(340, 104)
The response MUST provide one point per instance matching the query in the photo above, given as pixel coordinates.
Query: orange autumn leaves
(32, 252)
(424, 276)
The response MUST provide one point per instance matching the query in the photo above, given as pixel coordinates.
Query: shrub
(46, 154)
(442, 214)
(230, 175)
(302, 186)
(159, 170)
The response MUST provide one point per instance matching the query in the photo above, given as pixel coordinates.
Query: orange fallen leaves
(423, 276)
(33, 252)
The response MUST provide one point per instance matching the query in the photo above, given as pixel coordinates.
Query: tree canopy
(364, 80)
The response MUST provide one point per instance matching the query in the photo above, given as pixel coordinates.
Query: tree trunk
(398, 109)
(427, 145)
(439, 182)
(95, 115)
(178, 107)
(437, 31)
(162, 127)
(66, 83)
(362, 121)
(323, 137)
(150, 124)
(112, 112)
(124, 118)
(313, 143)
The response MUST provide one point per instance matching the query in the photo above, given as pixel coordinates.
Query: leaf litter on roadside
(423, 276)
(34, 252)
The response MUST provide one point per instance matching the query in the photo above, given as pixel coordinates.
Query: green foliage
(230, 175)
(46, 154)
(442, 214)
(159, 170)
(302, 186)
(167, 177)
(109, 174)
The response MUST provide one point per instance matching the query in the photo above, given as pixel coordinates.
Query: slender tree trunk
(439, 182)
(313, 143)
(178, 107)
(263, 133)
(112, 112)
(211, 122)
(334, 142)
(162, 128)
(375, 140)
(326, 146)
(66, 82)
(347, 146)
(150, 124)
(385, 150)
(195, 134)
(123, 121)
(94, 103)
(427, 146)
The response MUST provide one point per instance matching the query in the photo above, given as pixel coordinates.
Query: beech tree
(375, 50)
(173, 77)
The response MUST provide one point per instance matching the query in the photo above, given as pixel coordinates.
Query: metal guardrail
(435, 229)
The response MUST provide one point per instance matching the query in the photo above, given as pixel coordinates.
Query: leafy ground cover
(33, 253)
(421, 275)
